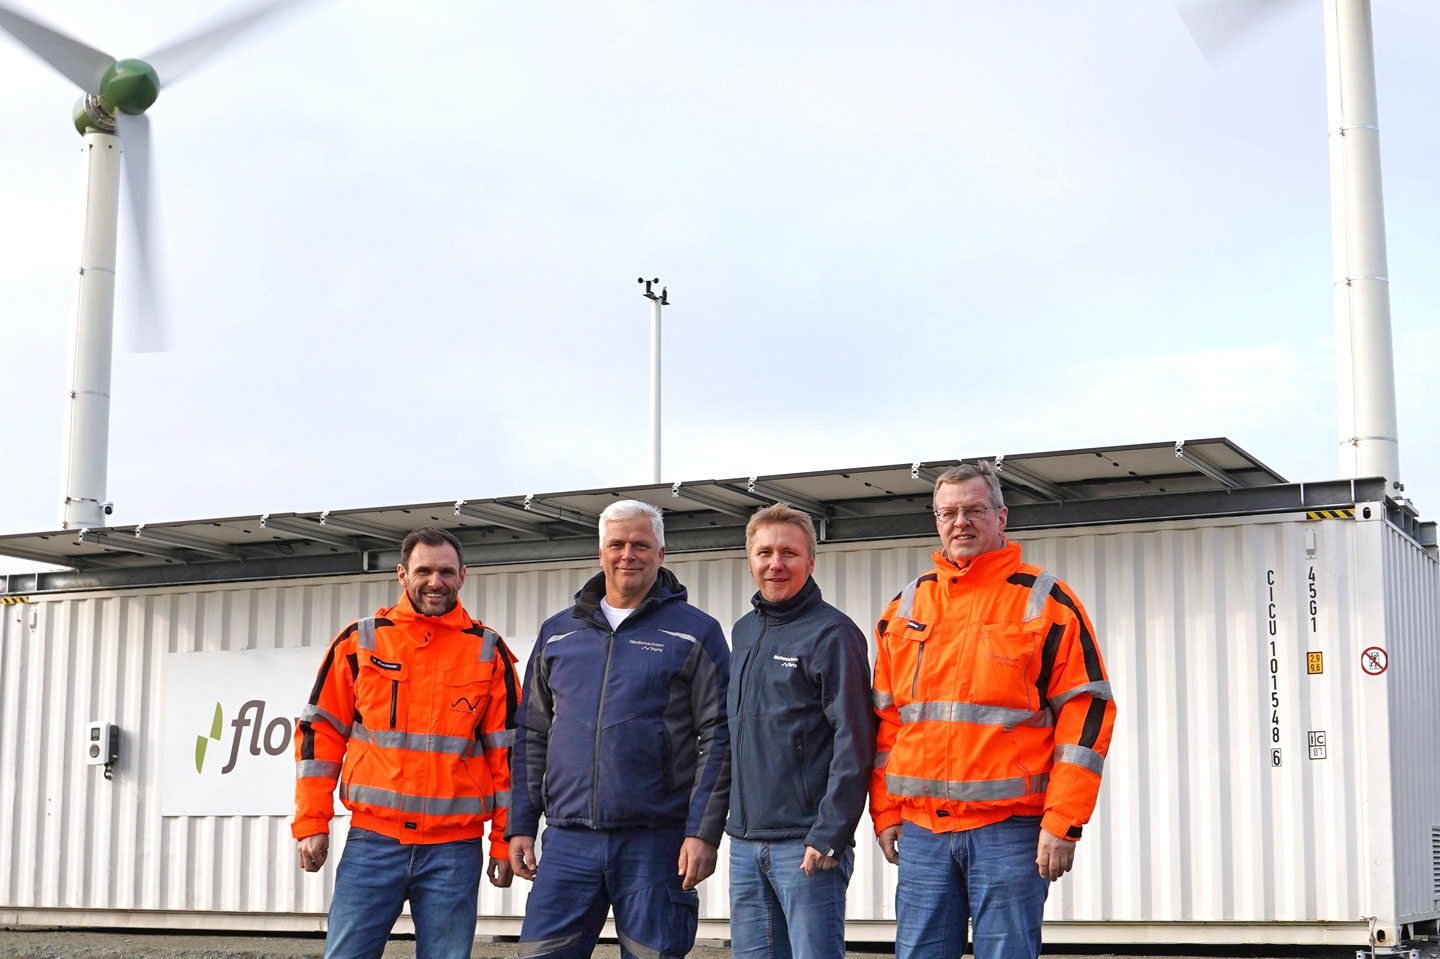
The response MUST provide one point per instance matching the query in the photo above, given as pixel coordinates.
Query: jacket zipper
(738, 765)
(599, 725)
(394, 697)
(919, 659)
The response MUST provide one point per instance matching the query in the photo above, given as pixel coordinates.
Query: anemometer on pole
(657, 300)
(111, 118)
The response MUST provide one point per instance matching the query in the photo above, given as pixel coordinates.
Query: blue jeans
(583, 872)
(986, 875)
(778, 912)
(377, 874)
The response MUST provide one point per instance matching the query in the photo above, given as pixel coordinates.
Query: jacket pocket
(1002, 674)
(381, 691)
(803, 773)
(467, 687)
(907, 639)
(667, 773)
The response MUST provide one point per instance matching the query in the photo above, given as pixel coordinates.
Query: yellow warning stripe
(13, 600)
(1330, 514)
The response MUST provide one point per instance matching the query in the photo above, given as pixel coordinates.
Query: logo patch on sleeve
(395, 667)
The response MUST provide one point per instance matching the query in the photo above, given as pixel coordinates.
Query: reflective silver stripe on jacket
(556, 639)
(367, 633)
(881, 758)
(311, 713)
(975, 713)
(487, 647)
(1080, 756)
(1038, 594)
(685, 636)
(975, 791)
(907, 599)
(504, 739)
(1099, 689)
(416, 742)
(317, 767)
(502, 799)
(883, 700)
(430, 805)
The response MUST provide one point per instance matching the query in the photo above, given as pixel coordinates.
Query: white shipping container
(1272, 774)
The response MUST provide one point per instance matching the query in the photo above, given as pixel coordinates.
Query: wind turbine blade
(84, 66)
(1215, 24)
(171, 63)
(148, 333)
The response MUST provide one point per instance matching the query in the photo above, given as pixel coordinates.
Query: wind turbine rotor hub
(90, 115)
(129, 86)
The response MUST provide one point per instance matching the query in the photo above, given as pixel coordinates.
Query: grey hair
(634, 509)
(968, 471)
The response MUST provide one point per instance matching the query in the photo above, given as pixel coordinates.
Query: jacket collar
(587, 600)
(995, 562)
(786, 610)
(404, 612)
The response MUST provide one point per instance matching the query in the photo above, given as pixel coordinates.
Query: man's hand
(313, 850)
(697, 861)
(1054, 856)
(888, 837)
(815, 859)
(522, 857)
(500, 873)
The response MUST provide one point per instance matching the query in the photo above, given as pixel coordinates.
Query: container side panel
(1412, 628)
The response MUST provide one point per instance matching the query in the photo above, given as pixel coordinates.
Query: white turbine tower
(111, 113)
(1365, 361)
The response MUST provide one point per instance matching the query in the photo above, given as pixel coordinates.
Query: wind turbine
(111, 113)
(1365, 362)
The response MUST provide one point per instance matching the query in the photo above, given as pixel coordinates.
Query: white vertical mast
(87, 411)
(657, 300)
(1369, 445)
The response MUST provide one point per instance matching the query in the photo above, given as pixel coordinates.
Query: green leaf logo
(202, 741)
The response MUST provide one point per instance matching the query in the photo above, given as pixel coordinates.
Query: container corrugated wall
(1196, 824)
(1412, 625)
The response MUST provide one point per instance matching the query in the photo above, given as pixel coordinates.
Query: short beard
(418, 604)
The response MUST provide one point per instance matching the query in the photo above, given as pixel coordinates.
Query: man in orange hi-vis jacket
(995, 717)
(414, 712)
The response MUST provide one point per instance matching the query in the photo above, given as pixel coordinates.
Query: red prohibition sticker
(1374, 661)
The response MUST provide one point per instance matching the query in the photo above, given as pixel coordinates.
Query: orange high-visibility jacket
(421, 712)
(992, 697)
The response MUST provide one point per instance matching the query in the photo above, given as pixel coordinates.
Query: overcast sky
(399, 246)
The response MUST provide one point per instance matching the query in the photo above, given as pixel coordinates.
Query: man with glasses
(995, 718)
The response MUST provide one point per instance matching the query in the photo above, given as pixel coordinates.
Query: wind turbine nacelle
(129, 86)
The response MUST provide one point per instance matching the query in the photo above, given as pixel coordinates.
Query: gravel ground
(50, 944)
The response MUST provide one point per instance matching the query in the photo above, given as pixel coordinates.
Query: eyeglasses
(973, 514)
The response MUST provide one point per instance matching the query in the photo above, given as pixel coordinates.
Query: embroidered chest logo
(469, 706)
(918, 627)
(1003, 662)
(393, 667)
(648, 646)
(789, 662)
